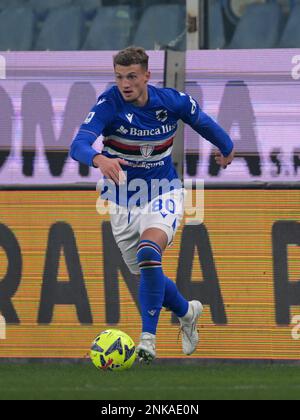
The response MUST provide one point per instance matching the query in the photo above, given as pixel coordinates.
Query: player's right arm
(82, 149)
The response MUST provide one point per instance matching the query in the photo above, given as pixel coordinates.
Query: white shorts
(164, 212)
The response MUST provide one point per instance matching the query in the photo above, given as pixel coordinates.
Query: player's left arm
(192, 114)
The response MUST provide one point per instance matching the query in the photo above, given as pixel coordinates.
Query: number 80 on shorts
(160, 205)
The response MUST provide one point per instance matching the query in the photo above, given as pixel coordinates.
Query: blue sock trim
(148, 255)
(146, 241)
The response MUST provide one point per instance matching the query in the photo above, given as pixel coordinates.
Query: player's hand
(222, 160)
(111, 168)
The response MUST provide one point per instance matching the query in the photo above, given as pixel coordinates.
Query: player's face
(132, 83)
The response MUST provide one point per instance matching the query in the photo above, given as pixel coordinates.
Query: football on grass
(113, 350)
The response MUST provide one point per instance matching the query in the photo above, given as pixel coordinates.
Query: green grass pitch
(156, 382)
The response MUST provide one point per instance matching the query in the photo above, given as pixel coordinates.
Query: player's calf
(152, 284)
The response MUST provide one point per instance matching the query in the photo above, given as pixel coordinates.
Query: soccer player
(138, 122)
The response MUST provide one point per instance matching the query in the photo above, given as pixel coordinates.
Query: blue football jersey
(144, 136)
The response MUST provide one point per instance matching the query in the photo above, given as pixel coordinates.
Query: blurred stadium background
(45, 25)
(60, 286)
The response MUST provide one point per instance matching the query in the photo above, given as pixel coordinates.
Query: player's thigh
(125, 229)
(164, 213)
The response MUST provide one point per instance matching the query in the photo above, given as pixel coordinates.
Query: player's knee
(148, 251)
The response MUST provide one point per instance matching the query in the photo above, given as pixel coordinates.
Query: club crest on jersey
(162, 115)
(147, 150)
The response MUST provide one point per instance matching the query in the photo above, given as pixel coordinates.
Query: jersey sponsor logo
(129, 117)
(122, 130)
(101, 101)
(162, 115)
(147, 150)
(164, 129)
(89, 118)
(146, 165)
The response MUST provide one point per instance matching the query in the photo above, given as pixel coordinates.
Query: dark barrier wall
(62, 278)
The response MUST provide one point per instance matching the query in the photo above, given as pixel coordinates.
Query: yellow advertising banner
(62, 278)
